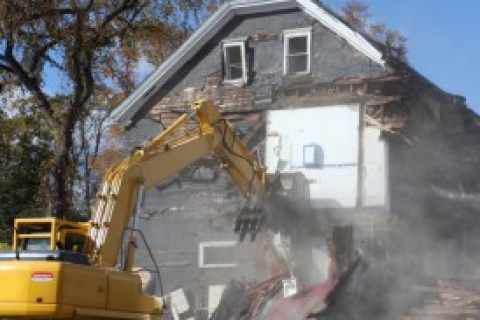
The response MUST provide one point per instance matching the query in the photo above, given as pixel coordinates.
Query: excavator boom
(173, 150)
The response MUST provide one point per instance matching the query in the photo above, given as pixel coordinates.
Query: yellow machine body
(51, 289)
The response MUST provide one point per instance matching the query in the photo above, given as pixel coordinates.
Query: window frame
(296, 33)
(243, 52)
(316, 152)
(211, 244)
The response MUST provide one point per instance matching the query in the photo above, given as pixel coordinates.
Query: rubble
(267, 301)
(243, 301)
(446, 299)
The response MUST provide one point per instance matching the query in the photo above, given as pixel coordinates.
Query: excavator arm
(174, 149)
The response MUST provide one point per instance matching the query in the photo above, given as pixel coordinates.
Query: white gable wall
(375, 171)
(335, 129)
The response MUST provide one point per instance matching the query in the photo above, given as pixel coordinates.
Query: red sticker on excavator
(42, 276)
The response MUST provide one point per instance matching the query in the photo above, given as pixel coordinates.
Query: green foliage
(25, 153)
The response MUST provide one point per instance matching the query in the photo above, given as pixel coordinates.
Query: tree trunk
(87, 170)
(62, 173)
(88, 188)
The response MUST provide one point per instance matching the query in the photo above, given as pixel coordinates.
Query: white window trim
(209, 244)
(307, 32)
(234, 43)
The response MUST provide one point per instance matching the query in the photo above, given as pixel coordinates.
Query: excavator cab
(33, 234)
(48, 239)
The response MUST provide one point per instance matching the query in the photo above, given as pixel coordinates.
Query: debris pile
(446, 299)
(267, 301)
(243, 301)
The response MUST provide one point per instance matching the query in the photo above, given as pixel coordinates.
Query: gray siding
(175, 220)
(332, 57)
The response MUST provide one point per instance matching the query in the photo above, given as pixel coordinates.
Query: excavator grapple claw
(249, 221)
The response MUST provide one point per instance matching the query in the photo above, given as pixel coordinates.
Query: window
(312, 156)
(37, 244)
(234, 61)
(217, 254)
(74, 242)
(296, 48)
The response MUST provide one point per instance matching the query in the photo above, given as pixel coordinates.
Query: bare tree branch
(31, 83)
(5, 67)
(126, 5)
(51, 12)
(41, 54)
(54, 63)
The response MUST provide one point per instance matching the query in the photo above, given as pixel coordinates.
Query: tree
(89, 44)
(357, 15)
(25, 155)
(95, 136)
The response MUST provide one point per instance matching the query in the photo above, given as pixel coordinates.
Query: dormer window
(234, 61)
(296, 48)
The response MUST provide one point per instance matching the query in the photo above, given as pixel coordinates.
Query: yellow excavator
(70, 270)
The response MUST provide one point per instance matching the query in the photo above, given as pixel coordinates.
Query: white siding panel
(375, 173)
(335, 130)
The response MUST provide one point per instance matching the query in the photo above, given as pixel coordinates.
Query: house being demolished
(387, 159)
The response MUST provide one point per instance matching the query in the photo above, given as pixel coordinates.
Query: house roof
(141, 98)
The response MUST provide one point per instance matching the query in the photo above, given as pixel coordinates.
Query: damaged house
(382, 150)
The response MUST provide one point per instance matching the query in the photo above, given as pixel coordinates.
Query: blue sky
(443, 39)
